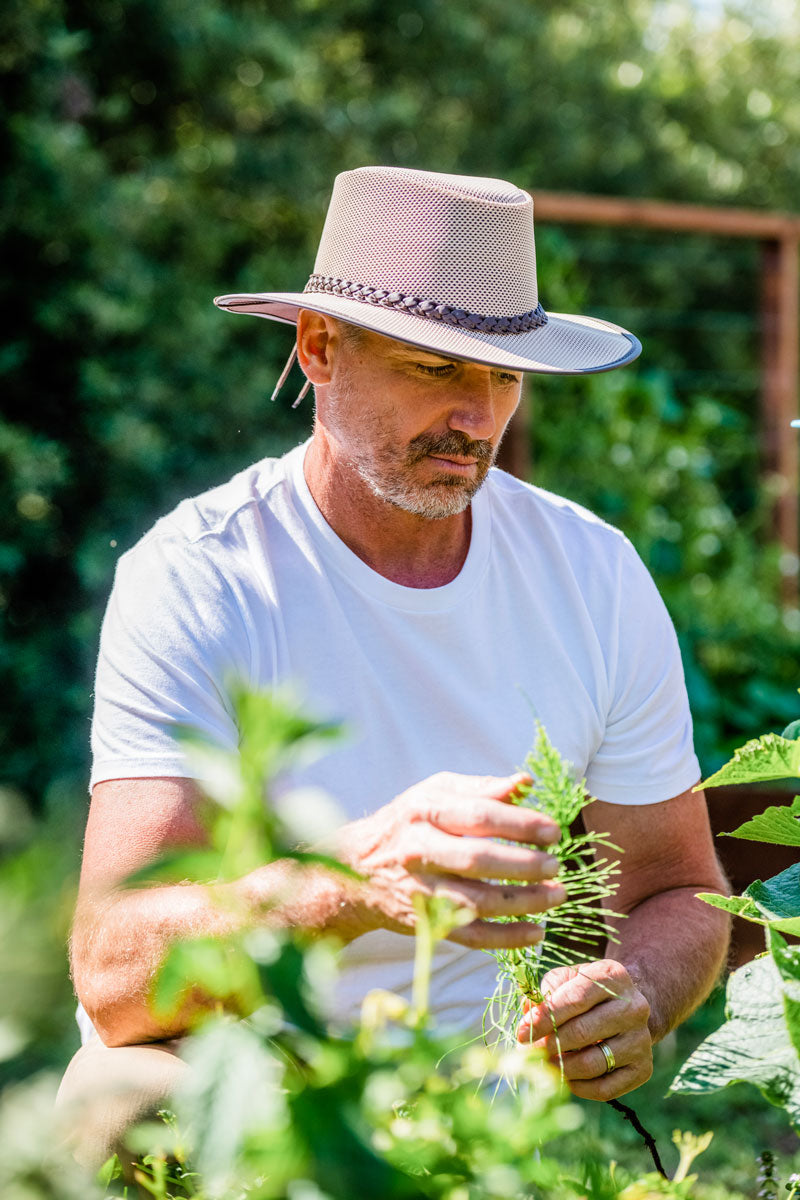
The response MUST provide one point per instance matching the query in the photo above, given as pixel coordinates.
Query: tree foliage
(157, 154)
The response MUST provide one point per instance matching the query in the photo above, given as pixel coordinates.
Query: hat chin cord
(284, 375)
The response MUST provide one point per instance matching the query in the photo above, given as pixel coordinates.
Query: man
(428, 612)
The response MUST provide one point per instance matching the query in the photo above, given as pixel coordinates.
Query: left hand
(590, 1003)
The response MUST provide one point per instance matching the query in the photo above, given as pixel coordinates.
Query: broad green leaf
(767, 757)
(787, 960)
(231, 1090)
(216, 967)
(753, 1046)
(313, 859)
(775, 903)
(779, 824)
(778, 900)
(740, 906)
(178, 866)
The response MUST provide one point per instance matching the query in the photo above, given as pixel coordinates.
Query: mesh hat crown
(447, 263)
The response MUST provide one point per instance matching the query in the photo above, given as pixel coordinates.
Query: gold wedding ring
(608, 1055)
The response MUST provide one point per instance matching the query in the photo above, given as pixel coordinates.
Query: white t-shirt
(552, 613)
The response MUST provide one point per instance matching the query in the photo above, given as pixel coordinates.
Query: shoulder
(210, 532)
(533, 511)
(220, 511)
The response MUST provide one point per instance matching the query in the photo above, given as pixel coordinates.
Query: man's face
(419, 429)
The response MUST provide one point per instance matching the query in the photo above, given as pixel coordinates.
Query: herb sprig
(588, 873)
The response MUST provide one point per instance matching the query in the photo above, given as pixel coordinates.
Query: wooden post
(779, 234)
(780, 330)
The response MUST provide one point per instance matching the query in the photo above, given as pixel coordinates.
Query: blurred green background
(158, 153)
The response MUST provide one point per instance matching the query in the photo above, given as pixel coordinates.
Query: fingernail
(550, 833)
(550, 866)
(557, 894)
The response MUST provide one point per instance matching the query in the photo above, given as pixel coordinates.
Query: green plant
(277, 1108)
(760, 1040)
(588, 876)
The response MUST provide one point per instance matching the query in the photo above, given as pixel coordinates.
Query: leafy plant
(276, 1107)
(587, 874)
(760, 1040)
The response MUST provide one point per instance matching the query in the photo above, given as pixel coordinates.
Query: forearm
(674, 947)
(120, 941)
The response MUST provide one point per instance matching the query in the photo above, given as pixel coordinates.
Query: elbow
(106, 999)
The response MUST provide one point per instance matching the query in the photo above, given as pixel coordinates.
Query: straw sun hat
(445, 262)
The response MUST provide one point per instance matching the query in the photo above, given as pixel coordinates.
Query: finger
(498, 900)
(629, 1049)
(590, 985)
(431, 849)
(608, 1087)
(602, 1022)
(497, 935)
(467, 804)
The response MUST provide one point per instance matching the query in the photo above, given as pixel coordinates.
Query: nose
(474, 408)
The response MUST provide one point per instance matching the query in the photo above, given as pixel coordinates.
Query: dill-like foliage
(587, 873)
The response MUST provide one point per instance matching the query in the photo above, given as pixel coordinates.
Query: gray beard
(449, 495)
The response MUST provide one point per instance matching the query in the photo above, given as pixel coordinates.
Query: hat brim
(566, 345)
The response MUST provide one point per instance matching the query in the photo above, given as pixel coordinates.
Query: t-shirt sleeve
(647, 753)
(172, 640)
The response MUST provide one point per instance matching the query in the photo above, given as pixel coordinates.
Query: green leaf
(232, 1089)
(775, 903)
(787, 960)
(778, 900)
(312, 858)
(767, 757)
(778, 824)
(753, 1046)
(178, 866)
(216, 967)
(739, 906)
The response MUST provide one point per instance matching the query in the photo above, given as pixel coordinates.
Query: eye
(507, 379)
(445, 369)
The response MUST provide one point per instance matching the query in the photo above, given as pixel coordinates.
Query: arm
(435, 837)
(671, 948)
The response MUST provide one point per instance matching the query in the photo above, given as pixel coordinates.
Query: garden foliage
(157, 153)
(760, 1040)
(277, 1106)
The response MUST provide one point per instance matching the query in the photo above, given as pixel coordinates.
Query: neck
(407, 549)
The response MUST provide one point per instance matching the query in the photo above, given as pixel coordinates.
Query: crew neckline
(370, 582)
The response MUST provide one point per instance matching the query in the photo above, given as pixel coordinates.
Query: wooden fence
(779, 236)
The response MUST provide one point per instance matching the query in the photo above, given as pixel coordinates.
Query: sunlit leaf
(753, 1046)
(739, 906)
(778, 824)
(208, 968)
(178, 866)
(232, 1089)
(778, 900)
(767, 757)
(787, 960)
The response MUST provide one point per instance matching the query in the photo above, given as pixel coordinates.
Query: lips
(461, 466)
(453, 448)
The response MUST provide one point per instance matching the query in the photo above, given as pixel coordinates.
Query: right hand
(436, 839)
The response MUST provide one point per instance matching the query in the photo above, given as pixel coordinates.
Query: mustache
(454, 442)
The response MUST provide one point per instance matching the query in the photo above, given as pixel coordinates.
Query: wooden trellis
(779, 237)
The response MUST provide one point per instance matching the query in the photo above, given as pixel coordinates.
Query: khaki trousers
(106, 1089)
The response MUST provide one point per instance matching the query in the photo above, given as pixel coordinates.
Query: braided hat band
(431, 309)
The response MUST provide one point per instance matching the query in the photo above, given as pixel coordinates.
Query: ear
(317, 340)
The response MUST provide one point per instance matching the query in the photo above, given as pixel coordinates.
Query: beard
(392, 477)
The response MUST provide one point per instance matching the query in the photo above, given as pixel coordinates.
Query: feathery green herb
(588, 873)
